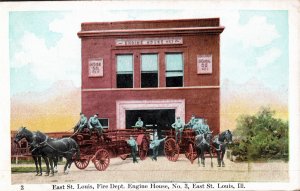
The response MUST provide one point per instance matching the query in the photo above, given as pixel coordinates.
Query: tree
(261, 136)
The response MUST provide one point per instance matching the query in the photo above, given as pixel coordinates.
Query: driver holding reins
(82, 123)
(94, 123)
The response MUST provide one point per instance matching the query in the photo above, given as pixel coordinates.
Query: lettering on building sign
(204, 64)
(96, 67)
(149, 41)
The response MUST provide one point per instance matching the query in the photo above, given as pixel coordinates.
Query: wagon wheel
(143, 149)
(101, 159)
(124, 156)
(191, 153)
(171, 150)
(82, 163)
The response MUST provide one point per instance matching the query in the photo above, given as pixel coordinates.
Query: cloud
(52, 63)
(63, 61)
(269, 56)
(257, 32)
(241, 48)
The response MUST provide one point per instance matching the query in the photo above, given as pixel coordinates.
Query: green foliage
(261, 136)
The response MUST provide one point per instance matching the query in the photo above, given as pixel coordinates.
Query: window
(149, 71)
(174, 70)
(124, 71)
(104, 122)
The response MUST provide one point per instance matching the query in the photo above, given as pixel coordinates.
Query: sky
(44, 46)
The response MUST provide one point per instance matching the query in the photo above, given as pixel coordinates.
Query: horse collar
(44, 142)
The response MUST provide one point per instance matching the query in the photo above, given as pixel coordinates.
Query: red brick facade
(200, 92)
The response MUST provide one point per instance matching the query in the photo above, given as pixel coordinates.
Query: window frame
(141, 66)
(165, 59)
(116, 65)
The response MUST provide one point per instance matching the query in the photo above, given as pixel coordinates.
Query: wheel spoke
(171, 150)
(102, 159)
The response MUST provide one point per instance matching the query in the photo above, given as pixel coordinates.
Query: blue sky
(44, 46)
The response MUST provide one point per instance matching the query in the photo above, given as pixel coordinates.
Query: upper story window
(174, 70)
(149, 70)
(125, 71)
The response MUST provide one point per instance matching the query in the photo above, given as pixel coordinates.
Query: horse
(203, 145)
(220, 145)
(52, 148)
(35, 152)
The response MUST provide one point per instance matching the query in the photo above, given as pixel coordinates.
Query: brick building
(153, 69)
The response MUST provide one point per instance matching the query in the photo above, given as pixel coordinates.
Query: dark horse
(35, 151)
(52, 148)
(203, 145)
(220, 142)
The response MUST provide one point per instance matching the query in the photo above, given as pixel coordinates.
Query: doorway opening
(160, 119)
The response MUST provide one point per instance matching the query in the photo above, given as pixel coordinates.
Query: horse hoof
(219, 165)
(51, 175)
(46, 174)
(55, 171)
(40, 174)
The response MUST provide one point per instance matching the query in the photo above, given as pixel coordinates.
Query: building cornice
(151, 32)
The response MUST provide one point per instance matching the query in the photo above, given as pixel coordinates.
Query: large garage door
(154, 119)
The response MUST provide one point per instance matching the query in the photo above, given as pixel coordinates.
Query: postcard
(150, 95)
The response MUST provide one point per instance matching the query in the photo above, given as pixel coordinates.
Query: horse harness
(45, 143)
(204, 141)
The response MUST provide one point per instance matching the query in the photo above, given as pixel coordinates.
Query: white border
(294, 112)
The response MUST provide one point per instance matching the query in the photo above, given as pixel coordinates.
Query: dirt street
(164, 171)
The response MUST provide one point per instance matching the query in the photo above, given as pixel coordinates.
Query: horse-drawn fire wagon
(112, 143)
(187, 145)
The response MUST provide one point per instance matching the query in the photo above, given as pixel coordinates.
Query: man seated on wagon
(139, 123)
(94, 124)
(133, 145)
(192, 122)
(154, 145)
(204, 129)
(178, 126)
(82, 123)
(197, 127)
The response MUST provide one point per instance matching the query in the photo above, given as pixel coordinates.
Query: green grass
(25, 169)
(22, 161)
(32, 162)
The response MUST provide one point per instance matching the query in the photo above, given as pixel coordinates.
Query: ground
(164, 171)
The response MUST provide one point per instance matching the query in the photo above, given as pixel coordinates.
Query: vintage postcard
(150, 95)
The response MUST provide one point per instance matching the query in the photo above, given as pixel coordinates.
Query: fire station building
(156, 70)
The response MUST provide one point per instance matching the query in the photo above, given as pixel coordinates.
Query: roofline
(154, 21)
(153, 31)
